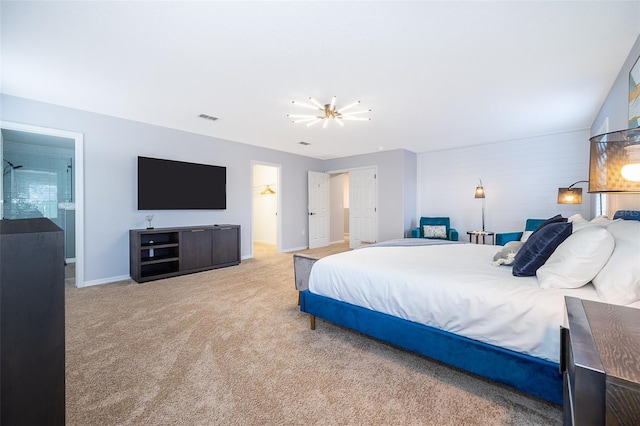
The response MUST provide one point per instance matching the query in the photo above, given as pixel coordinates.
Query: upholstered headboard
(627, 214)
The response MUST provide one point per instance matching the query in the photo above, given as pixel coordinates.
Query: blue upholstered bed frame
(532, 375)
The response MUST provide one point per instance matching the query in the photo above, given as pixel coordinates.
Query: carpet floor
(231, 347)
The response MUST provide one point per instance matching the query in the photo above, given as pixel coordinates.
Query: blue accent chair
(504, 237)
(452, 233)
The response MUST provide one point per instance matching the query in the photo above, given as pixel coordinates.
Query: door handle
(311, 213)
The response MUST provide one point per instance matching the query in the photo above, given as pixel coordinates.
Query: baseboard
(104, 281)
(295, 249)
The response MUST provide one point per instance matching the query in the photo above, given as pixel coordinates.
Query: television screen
(177, 185)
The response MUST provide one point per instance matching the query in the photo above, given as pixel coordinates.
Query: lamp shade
(569, 195)
(614, 164)
(479, 191)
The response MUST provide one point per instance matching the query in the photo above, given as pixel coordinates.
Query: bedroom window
(601, 204)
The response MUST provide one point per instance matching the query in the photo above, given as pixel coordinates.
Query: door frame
(79, 182)
(324, 209)
(351, 169)
(278, 168)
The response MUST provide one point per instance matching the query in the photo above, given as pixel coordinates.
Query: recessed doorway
(265, 207)
(43, 177)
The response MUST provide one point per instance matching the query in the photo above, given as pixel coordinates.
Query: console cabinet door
(195, 249)
(226, 245)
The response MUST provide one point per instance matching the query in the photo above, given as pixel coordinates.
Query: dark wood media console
(168, 252)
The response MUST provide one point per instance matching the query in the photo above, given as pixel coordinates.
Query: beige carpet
(230, 346)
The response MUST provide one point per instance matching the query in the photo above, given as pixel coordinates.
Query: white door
(318, 209)
(363, 207)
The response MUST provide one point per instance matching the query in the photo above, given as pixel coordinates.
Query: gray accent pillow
(507, 254)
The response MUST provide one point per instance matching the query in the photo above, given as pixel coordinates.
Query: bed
(447, 301)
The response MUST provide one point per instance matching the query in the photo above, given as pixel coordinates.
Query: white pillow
(578, 222)
(434, 231)
(619, 280)
(578, 259)
(525, 236)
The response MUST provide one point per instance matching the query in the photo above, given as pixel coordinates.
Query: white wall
(521, 180)
(265, 206)
(616, 109)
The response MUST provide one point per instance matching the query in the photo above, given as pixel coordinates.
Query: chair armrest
(453, 234)
(504, 237)
(415, 233)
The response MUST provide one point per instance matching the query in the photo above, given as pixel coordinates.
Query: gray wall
(616, 105)
(392, 208)
(616, 109)
(410, 189)
(111, 146)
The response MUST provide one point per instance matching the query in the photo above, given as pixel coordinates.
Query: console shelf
(168, 252)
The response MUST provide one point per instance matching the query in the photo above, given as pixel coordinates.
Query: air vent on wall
(208, 117)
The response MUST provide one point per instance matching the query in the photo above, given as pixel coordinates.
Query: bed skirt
(535, 376)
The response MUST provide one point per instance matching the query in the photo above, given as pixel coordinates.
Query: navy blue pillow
(555, 219)
(540, 245)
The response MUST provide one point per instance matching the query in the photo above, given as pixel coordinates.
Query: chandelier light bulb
(350, 106)
(304, 105)
(316, 103)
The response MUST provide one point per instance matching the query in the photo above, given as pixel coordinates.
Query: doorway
(266, 222)
(354, 188)
(42, 176)
(339, 208)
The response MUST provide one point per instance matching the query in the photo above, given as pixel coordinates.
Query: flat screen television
(178, 185)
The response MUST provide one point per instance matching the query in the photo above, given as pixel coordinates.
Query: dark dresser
(32, 364)
(600, 361)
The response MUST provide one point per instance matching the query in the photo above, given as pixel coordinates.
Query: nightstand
(600, 362)
(483, 234)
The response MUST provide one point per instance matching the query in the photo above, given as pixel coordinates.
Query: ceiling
(436, 75)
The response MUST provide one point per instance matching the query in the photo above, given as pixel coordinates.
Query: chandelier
(327, 112)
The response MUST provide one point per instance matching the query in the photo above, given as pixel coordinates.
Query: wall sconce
(480, 194)
(571, 195)
(614, 164)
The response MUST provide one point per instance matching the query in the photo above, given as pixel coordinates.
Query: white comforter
(451, 287)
